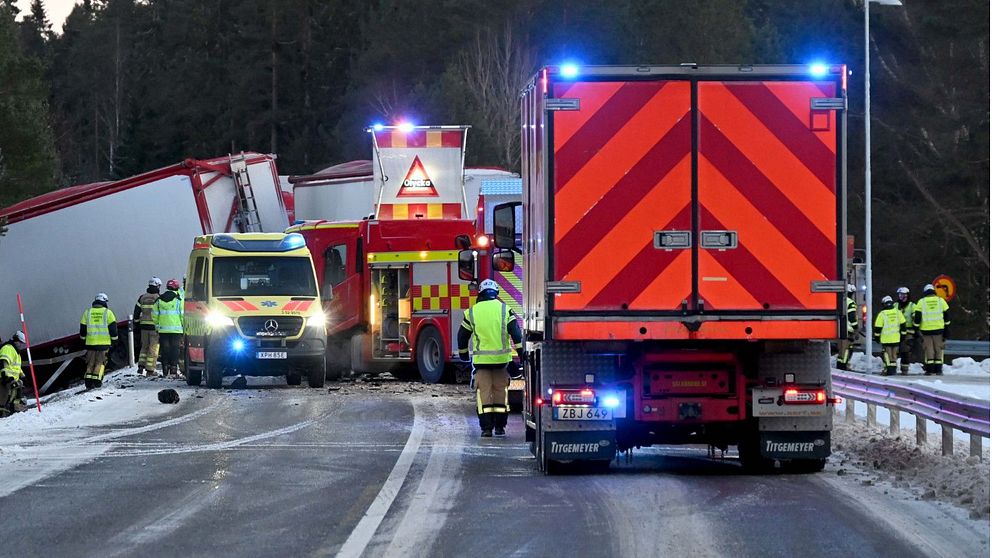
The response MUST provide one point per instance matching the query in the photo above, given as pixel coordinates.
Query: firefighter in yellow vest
(97, 329)
(495, 335)
(167, 314)
(931, 320)
(149, 337)
(11, 375)
(908, 342)
(890, 326)
(844, 344)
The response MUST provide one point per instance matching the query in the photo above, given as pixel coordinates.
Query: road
(393, 469)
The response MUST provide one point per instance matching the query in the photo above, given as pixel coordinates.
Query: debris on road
(169, 396)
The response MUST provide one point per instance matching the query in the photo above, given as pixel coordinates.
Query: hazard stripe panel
(418, 138)
(767, 172)
(622, 172)
(409, 211)
(607, 330)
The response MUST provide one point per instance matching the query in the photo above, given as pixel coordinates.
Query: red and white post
(27, 343)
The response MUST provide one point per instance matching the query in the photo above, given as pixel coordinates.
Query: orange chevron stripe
(593, 96)
(604, 169)
(722, 294)
(769, 155)
(621, 244)
(796, 96)
(669, 288)
(769, 246)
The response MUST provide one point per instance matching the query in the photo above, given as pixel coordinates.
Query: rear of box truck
(682, 240)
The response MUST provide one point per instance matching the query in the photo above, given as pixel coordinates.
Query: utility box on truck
(65, 246)
(683, 245)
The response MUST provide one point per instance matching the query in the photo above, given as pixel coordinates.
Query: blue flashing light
(377, 127)
(611, 402)
(238, 345)
(293, 241)
(568, 71)
(818, 69)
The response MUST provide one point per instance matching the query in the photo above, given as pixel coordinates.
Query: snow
(962, 366)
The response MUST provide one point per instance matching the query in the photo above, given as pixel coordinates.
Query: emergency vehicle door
(389, 308)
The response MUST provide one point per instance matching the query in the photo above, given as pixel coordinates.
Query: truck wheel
(752, 461)
(193, 377)
(358, 364)
(430, 355)
(294, 379)
(318, 371)
(214, 373)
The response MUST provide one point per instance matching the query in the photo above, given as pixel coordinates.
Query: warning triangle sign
(417, 183)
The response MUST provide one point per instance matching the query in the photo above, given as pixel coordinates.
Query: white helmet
(902, 290)
(489, 285)
(101, 297)
(850, 288)
(18, 336)
(928, 288)
(154, 282)
(886, 299)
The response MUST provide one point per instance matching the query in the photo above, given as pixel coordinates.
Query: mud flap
(795, 445)
(580, 445)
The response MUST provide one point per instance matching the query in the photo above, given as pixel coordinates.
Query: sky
(57, 11)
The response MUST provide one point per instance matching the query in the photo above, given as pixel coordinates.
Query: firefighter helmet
(172, 285)
(18, 337)
(902, 290)
(489, 285)
(928, 289)
(850, 289)
(887, 301)
(101, 297)
(154, 282)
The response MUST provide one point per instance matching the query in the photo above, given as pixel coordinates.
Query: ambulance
(252, 308)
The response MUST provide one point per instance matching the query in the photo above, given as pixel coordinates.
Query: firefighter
(844, 345)
(931, 320)
(890, 327)
(10, 374)
(167, 314)
(97, 329)
(492, 325)
(149, 337)
(908, 342)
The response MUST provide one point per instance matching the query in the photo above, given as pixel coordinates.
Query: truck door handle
(672, 240)
(718, 240)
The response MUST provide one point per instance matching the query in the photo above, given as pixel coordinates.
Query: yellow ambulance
(252, 308)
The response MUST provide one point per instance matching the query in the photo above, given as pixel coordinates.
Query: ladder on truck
(246, 218)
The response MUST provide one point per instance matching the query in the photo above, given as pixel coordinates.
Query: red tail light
(574, 397)
(538, 402)
(797, 396)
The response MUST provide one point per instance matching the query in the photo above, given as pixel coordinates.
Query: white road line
(362, 534)
(150, 427)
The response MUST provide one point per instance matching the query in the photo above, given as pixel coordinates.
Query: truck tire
(358, 364)
(214, 373)
(431, 358)
(294, 379)
(193, 377)
(749, 452)
(317, 373)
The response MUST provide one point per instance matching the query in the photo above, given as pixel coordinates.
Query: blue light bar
(568, 71)
(818, 69)
(377, 127)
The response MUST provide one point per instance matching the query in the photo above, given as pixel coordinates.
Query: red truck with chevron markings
(682, 231)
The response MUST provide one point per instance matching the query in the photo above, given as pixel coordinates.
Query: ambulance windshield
(263, 276)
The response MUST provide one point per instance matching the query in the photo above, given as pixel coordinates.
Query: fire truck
(390, 284)
(682, 240)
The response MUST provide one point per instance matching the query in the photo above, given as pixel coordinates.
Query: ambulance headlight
(317, 320)
(216, 319)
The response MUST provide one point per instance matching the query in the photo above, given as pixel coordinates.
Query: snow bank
(962, 366)
(958, 479)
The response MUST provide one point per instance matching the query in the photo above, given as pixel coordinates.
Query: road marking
(150, 427)
(362, 534)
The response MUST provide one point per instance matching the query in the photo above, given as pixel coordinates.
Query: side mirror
(328, 293)
(505, 225)
(463, 242)
(468, 265)
(504, 261)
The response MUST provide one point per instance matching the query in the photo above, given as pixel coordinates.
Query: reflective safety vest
(12, 361)
(97, 320)
(168, 316)
(931, 309)
(907, 312)
(891, 322)
(488, 320)
(146, 301)
(851, 307)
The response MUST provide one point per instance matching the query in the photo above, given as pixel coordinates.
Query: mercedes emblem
(271, 326)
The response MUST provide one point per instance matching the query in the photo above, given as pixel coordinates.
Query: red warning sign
(417, 183)
(946, 288)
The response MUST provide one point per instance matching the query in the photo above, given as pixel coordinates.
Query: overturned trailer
(64, 246)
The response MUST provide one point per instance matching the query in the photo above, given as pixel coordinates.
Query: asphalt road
(398, 470)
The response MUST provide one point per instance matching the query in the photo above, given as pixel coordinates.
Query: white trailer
(65, 246)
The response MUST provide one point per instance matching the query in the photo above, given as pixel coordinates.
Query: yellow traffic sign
(946, 288)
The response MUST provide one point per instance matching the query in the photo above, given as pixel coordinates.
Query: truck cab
(252, 308)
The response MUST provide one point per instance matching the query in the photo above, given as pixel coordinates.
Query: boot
(841, 365)
(486, 423)
(938, 368)
(904, 369)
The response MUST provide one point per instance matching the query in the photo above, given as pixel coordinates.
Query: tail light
(573, 397)
(798, 396)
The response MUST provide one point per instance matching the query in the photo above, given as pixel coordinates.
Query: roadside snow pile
(962, 366)
(966, 366)
(956, 479)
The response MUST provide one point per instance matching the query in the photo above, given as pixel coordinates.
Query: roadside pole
(27, 344)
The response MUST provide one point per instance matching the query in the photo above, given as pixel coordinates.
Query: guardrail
(966, 414)
(953, 347)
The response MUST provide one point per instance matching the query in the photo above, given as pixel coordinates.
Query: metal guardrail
(954, 347)
(966, 414)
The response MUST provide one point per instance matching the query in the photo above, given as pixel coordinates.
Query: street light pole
(868, 289)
